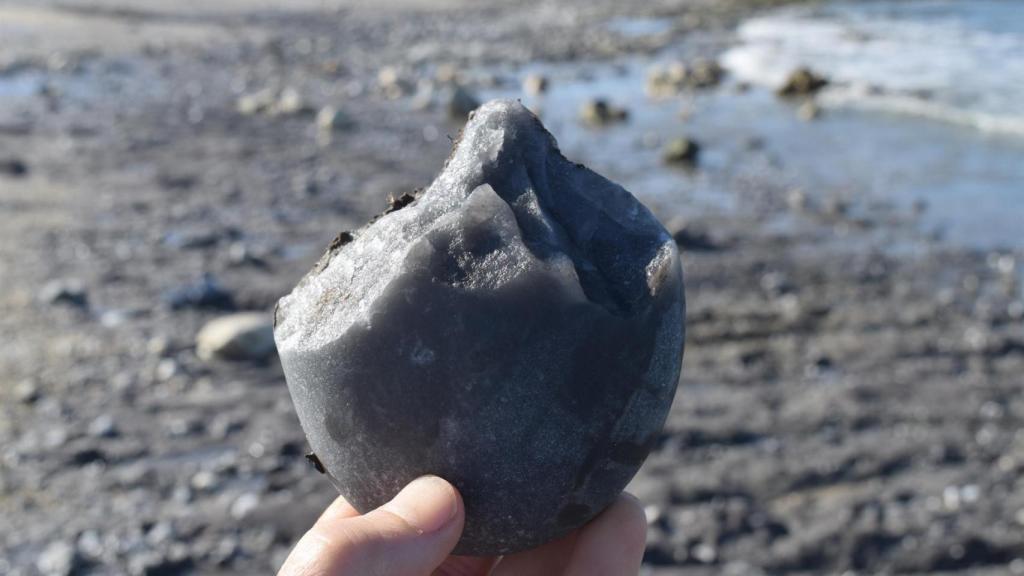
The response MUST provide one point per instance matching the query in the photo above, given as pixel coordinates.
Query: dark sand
(850, 397)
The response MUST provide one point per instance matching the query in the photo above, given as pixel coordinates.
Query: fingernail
(427, 504)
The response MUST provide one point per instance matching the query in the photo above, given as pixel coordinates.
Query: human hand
(414, 534)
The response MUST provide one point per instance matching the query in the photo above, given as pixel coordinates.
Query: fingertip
(427, 504)
(614, 542)
(628, 513)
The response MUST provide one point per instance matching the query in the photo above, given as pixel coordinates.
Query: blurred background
(845, 181)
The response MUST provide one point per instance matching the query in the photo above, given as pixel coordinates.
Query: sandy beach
(850, 400)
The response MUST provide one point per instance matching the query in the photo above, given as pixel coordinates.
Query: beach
(850, 394)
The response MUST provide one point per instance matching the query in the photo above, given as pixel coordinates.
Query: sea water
(958, 61)
(941, 85)
(925, 108)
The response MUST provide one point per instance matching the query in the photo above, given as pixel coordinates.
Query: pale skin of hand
(414, 534)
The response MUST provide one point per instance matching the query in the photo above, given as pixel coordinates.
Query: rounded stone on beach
(516, 328)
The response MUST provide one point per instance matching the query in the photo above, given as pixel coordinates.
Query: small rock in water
(203, 293)
(682, 151)
(68, 291)
(535, 84)
(802, 82)
(808, 111)
(599, 112)
(461, 102)
(15, 167)
(516, 328)
(671, 79)
(244, 336)
(705, 73)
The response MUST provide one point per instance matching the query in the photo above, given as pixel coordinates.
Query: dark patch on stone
(396, 204)
(340, 240)
(315, 461)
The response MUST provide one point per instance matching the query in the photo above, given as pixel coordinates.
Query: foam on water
(959, 62)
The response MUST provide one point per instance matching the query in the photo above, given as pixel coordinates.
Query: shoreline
(835, 402)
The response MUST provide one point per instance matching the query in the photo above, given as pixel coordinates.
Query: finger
(613, 543)
(339, 509)
(549, 559)
(409, 536)
(466, 566)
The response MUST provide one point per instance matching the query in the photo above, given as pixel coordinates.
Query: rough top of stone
(506, 206)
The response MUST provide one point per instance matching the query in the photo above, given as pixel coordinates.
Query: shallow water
(970, 181)
(955, 61)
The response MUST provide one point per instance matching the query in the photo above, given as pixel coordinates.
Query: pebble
(802, 82)
(681, 151)
(161, 533)
(290, 103)
(205, 480)
(244, 505)
(190, 239)
(158, 345)
(160, 564)
(90, 544)
(203, 293)
(58, 559)
(598, 112)
(243, 336)
(797, 200)
(535, 84)
(103, 427)
(256, 102)
(392, 84)
(671, 79)
(65, 291)
(809, 111)
(27, 391)
(330, 119)
(14, 167)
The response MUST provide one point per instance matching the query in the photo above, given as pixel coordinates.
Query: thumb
(409, 536)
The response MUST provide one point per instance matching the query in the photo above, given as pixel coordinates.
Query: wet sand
(850, 397)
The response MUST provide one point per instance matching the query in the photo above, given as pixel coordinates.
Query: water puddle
(21, 85)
